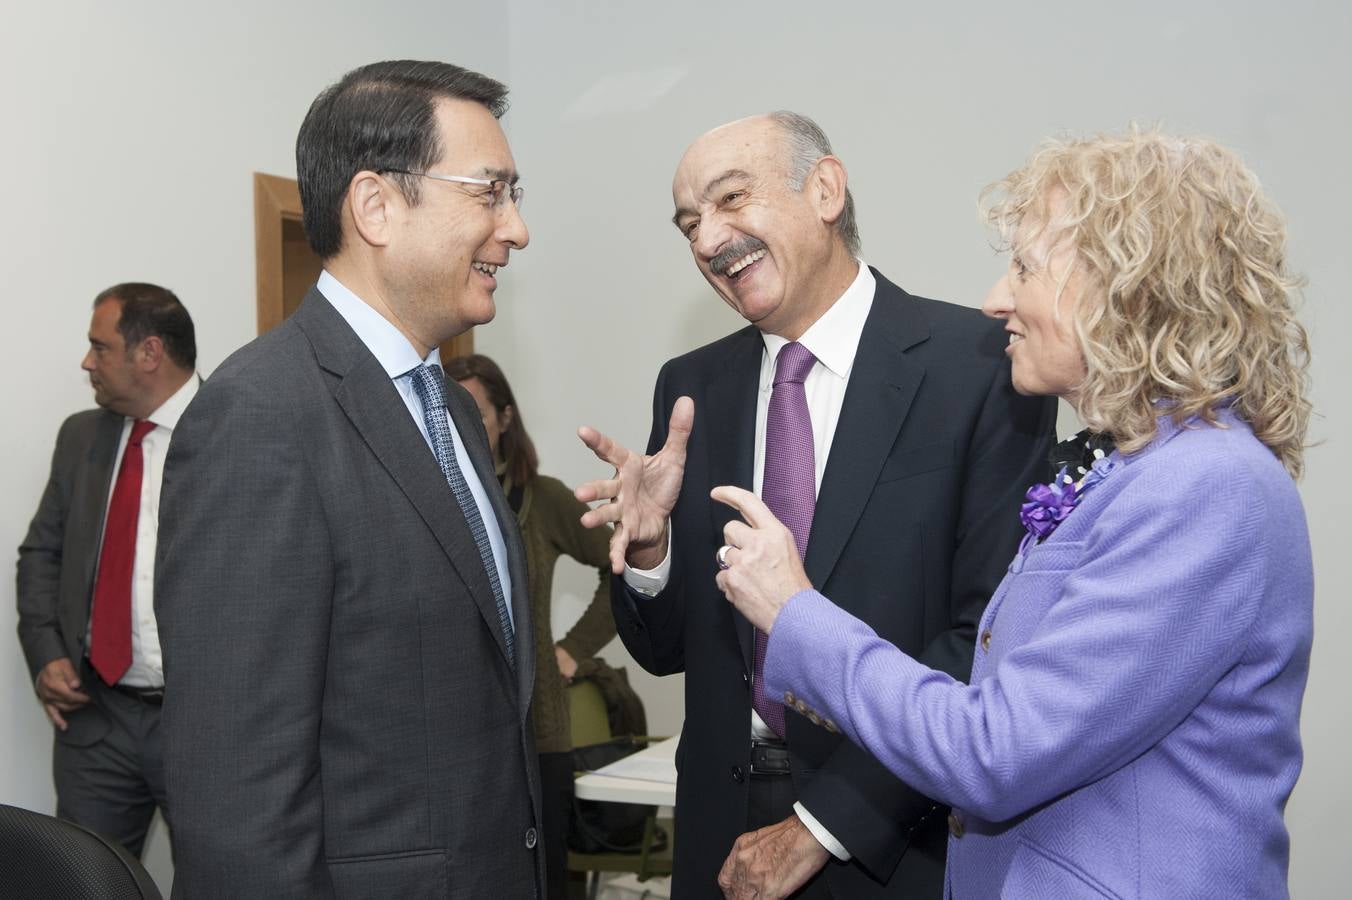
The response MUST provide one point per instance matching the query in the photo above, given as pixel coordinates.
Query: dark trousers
(770, 801)
(556, 788)
(113, 785)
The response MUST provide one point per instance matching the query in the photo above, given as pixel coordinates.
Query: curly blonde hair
(1187, 303)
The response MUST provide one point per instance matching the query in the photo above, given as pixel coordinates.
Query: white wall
(132, 130)
(925, 103)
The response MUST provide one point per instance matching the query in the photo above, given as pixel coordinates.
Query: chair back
(42, 857)
(591, 726)
(587, 709)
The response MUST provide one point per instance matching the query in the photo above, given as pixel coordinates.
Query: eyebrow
(709, 188)
(506, 175)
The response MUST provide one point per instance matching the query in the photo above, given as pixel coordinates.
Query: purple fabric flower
(1046, 505)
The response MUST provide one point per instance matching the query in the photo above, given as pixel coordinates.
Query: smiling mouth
(733, 270)
(485, 267)
(1014, 338)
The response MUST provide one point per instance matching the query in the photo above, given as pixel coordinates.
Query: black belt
(153, 696)
(769, 758)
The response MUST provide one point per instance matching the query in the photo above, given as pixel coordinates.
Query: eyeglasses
(498, 190)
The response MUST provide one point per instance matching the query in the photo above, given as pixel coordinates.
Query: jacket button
(531, 838)
(955, 825)
(738, 775)
(985, 640)
(789, 699)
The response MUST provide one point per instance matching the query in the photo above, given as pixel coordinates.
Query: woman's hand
(567, 665)
(760, 565)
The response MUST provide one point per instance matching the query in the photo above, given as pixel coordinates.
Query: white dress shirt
(147, 665)
(398, 358)
(833, 339)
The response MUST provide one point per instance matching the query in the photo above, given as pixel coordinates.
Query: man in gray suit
(86, 567)
(344, 602)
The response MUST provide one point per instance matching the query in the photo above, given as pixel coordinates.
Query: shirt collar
(390, 348)
(171, 410)
(834, 338)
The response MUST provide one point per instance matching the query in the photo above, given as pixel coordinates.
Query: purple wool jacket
(1131, 726)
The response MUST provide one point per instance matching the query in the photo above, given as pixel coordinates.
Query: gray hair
(807, 143)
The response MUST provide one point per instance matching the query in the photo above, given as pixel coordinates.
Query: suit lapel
(90, 500)
(731, 399)
(366, 394)
(883, 383)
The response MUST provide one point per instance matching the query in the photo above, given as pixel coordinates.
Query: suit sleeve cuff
(650, 582)
(824, 837)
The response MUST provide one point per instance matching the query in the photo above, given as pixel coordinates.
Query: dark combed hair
(515, 445)
(148, 309)
(381, 118)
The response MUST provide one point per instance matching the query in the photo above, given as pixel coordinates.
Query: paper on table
(657, 763)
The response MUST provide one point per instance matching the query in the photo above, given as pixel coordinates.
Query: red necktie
(110, 625)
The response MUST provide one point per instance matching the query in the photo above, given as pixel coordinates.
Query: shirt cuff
(650, 582)
(824, 837)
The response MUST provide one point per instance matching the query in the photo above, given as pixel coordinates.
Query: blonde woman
(1131, 724)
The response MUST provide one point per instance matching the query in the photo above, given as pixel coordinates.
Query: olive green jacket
(550, 528)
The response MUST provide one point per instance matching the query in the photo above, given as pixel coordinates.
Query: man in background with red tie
(883, 429)
(86, 568)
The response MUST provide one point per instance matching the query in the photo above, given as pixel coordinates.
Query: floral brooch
(1045, 506)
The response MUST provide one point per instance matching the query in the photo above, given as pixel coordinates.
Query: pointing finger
(748, 504)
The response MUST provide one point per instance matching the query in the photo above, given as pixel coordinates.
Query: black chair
(42, 858)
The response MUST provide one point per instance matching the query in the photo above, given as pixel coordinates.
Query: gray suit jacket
(340, 716)
(58, 556)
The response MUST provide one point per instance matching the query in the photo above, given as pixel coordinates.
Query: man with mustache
(884, 426)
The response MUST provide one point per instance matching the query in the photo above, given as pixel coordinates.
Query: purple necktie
(788, 487)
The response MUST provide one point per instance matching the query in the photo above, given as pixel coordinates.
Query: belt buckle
(769, 758)
(152, 696)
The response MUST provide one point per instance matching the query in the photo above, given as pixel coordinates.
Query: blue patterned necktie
(430, 385)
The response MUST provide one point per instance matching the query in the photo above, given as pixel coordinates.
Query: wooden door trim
(276, 200)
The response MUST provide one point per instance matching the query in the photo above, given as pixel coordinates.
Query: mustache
(734, 252)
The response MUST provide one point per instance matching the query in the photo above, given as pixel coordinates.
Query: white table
(648, 776)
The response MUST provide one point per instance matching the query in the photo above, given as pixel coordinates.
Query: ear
(150, 354)
(505, 417)
(828, 183)
(370, 204)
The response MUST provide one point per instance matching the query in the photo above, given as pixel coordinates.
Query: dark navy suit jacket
(915, 519)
